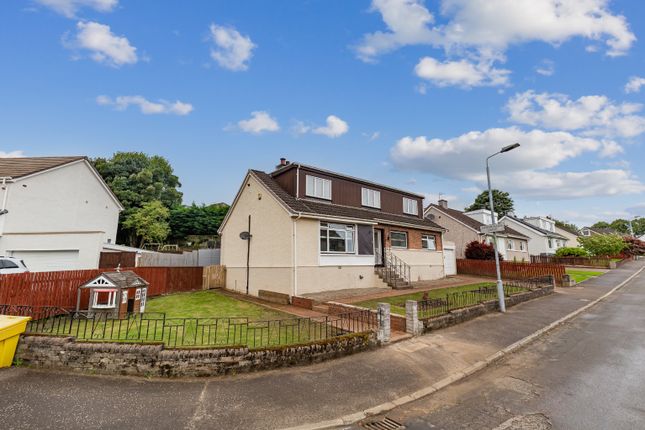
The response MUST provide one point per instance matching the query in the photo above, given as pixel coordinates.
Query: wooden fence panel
(510, 270)
(112, 260)
(602, 262)
(60, 288)
(214, 277)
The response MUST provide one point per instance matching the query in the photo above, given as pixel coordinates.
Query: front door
(378, 247)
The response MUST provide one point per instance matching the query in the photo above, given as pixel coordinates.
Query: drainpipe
(295, 254)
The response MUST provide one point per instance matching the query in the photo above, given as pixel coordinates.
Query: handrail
(395, 269)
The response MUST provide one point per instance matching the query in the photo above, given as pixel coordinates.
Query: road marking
(457, 376)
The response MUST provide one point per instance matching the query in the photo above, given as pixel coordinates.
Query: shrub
(571, 252)
(603, 244)
(476, 250)
(634, 246)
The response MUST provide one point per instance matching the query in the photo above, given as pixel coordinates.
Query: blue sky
(409, 93)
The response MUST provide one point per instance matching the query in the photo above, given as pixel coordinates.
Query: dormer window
(318, 187)
(410, 206)
(371, 198)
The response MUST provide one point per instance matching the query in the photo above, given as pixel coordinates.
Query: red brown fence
(602, 262)
(60, 288)
(111, 260)
(510, 270)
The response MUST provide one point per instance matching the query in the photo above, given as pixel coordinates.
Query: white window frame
(398, 246)
(510, 245)
(111, 299)
(338, 227)
(371, 198)
(549, 243)
(426, 240)
(521, 245)
(319, 188)
(410, 206)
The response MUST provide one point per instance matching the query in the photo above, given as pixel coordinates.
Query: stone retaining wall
(65, 353)
(461, 315)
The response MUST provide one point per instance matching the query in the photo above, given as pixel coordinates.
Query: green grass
(210, 304)
(582, 275)
(397, 303)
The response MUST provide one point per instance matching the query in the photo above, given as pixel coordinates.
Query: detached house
(301, 229)
(57, 212)
(543, 239)
(595, 231)
(465, 227)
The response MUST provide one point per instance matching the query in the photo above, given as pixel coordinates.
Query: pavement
(287, 397)
(588, 374)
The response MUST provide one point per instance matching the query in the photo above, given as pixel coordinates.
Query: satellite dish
(245, 235)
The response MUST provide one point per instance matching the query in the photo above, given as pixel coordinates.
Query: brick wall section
(64, 353)
(461, 315)
(397, 323)
(414, 236)
(302, 302)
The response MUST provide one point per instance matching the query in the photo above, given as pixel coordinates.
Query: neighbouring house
(465, 227)
(571, 235)
(543, 239)
(302, 229)
(594, 231)
(57, 212)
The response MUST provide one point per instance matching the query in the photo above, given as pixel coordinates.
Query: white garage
(48, 260)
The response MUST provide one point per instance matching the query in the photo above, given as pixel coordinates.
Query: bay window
(337, 238)
(398, 239)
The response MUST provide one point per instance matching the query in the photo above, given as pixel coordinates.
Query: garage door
(48, 260)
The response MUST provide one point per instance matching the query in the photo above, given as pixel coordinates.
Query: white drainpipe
(295, 254)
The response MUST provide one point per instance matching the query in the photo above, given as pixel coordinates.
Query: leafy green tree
(196, 220)
(149, 222)
(136, 179)
(501, 200)
(603, 244)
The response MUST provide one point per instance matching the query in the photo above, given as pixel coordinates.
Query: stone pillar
(383, 333)
(412, 323)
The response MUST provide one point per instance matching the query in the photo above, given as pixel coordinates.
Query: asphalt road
(588, 374)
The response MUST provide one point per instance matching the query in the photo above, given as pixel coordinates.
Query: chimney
(443, 203)
(283, 162)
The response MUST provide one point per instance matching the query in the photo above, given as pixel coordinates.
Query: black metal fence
(194, 332)
(435, 307)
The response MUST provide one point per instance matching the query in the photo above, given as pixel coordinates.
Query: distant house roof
(602, 230)
(536, 228)
(24, 166)
(568, 230)
(320, 209)
(472, 222)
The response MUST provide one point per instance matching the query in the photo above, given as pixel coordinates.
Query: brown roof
(473, 223)
(125, 279)
(327, 209)
(23, 166)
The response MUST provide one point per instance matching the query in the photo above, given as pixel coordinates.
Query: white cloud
(232, 51)
(69, 8)
(105, 46)
(634, 84)
(259, 122)
(145, 106)
(545, 68)
(335, 127)
(566, 185)
(11, 154)
(461, 73)
(463, 157)
(593, 115)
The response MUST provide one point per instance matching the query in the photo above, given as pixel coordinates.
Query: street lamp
(500, 286)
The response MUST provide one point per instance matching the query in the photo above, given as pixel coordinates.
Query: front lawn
(210, 304)
(582, 275)
(397, 303)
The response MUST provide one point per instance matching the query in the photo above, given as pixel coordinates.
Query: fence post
(383, 333)
(412, 323)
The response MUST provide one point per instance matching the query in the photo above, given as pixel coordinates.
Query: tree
(603, 245)
(501, 200)
(634, 246)
(476, 250)
(196, 220)
(566, 225)
(571, 252)
(150, 222)
(136, 179)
